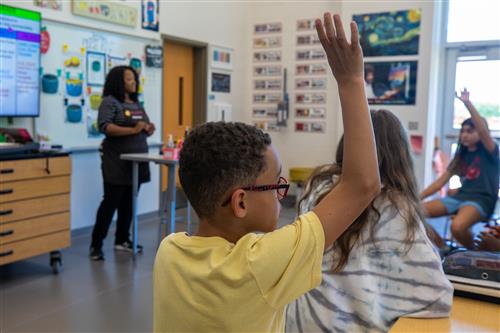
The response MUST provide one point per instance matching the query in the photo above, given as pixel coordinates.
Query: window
(472, 61)
(482, 78)
(476, 20)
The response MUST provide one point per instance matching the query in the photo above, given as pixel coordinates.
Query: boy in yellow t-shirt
(227, 278)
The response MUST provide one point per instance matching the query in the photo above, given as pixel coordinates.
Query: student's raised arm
(482, 129)
(360, 180)
(436, 185)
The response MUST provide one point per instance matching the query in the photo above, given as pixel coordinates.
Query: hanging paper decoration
(44, 40)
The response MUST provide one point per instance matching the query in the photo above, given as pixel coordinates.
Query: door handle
(7, 253)
(181, 104)
(6, 212)
(6, 233)
(5, 171)
(7, 191)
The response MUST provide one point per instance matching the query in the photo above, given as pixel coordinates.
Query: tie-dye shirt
(381, 281)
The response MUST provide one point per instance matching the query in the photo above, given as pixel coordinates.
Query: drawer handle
(8, 253)
(6, 212)
(8, 191)
(6, 233)
(4, 171)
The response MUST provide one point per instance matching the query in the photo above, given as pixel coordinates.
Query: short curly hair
(218, 156)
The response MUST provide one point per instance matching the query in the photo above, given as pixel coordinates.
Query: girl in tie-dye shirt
(384, 266)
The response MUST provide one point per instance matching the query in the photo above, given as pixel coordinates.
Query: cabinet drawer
(26, 189)
(25, 209)
(34, 168)
(34, 246)
(15, 231)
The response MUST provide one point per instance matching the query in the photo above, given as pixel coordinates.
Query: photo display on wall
(305, 25)
(389, 33)
(221, 82)
(308, 40)
(267, 56)
(267, 70)
(267, 28)
(314, 54)
(310, 82)
(391, 83)
(267, 74)
(267, 42)
(311, 69)
(264, 112)
(271, 84)
(267, 98)
(310, 127)
(308, 112)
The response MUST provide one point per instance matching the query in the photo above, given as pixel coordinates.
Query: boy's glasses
(281, 189)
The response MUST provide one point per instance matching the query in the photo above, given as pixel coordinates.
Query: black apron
(114, 169)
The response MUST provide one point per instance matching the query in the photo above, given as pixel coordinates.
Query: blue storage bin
(50, 83)
(74, 113)
(74, 87)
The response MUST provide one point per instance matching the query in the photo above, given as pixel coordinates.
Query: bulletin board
(76, 61)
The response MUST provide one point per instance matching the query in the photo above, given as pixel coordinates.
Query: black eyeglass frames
(281, 189)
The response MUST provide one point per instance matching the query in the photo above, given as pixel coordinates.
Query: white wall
(300, 149)
(217, 23)
(220, 24)
(296, 149)
(65, 16)
(231, 25)
(86, 180)
(424, 111)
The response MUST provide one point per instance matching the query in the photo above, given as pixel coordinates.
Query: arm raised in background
(436, 185)
(360, 180)
(479, 124)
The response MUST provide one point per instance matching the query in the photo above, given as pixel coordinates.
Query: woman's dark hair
(454, 167)
(399, 184)
(115, 84)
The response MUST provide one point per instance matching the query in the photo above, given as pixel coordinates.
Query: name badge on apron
(134, 115)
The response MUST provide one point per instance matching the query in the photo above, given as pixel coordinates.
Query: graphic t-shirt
(479, 172)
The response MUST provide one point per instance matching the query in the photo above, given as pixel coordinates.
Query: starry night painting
(390, 33)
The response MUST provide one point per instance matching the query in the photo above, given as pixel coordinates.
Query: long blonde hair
(397, 177)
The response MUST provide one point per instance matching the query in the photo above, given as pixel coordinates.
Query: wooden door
(178, 64)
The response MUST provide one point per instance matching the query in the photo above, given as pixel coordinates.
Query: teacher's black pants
(116, 197)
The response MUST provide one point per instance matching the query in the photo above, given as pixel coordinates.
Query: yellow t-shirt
(207, 284)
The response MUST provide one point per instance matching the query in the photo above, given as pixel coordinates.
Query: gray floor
(86, 296)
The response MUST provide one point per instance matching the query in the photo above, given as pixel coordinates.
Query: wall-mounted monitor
(19, 62)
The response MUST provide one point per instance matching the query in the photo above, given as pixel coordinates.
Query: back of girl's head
(393, 150)
(397, 177)
(115, 83)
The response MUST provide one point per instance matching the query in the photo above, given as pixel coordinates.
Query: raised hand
(464, 96)
(345, 59)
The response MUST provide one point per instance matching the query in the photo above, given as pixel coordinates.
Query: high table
(171, 190)
(467, 315)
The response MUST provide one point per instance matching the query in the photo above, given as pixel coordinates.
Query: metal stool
(165, 211)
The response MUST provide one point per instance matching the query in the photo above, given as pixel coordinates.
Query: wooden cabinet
(34, 207)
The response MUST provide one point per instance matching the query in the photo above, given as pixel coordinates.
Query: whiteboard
(68, 42)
